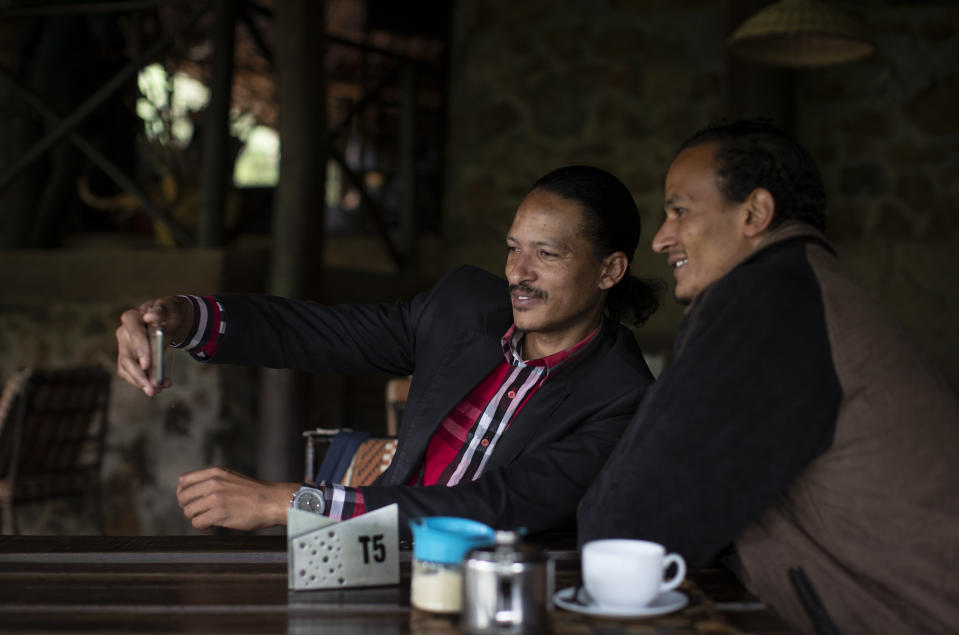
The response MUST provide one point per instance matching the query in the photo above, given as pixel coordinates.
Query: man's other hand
(219, 497)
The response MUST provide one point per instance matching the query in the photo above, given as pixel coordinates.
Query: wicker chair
(397, 391)
(53, 426)
(352, 457)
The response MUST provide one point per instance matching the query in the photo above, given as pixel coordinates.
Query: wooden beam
(71, 121)
(61, 8)
(298, 211)
(371, 207)
(407, 161)
(216, 168)
(754, 89)
(109, 168)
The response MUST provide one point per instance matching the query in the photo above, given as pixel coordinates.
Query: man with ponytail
(521, 387)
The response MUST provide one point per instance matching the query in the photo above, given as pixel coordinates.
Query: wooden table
(238, 584)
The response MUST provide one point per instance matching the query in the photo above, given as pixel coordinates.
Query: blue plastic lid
(447, 539)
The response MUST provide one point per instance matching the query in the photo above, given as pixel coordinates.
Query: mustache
(526, 289)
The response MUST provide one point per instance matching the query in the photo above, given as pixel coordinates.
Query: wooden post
(754, 89)
(407, 164)
(217, 168)
(298, 210)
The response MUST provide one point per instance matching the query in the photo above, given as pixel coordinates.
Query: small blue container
(440, 544)
(447, 539)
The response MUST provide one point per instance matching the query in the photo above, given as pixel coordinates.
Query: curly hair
(753, 153)
(611, 223)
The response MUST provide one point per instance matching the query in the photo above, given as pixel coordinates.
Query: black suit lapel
(544, 409)
(531, 420)
(467, 361)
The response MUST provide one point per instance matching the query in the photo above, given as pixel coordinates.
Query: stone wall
(62, 307)
(537, 85)
(885, 132)
(541, 84)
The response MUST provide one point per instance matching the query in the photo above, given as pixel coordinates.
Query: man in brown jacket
(795, 422)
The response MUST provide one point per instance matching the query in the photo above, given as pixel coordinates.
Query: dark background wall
(547, 84)
(530, 86)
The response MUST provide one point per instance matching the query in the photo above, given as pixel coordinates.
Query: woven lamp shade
(800, 33)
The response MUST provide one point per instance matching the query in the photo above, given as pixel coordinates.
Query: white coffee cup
(628, 573)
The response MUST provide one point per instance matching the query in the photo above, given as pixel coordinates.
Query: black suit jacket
(449, 339)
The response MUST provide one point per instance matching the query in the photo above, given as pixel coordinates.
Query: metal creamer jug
(507, 588)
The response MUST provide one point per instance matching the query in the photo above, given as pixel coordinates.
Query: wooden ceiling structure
(382, 67)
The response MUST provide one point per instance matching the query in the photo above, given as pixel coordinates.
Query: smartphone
(157, 343)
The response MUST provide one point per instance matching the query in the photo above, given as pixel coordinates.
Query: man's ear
(760, 208)
(614, 268)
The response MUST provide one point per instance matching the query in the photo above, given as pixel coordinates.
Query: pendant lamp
(800, 33)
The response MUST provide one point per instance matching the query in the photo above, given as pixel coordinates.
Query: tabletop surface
(238, 584)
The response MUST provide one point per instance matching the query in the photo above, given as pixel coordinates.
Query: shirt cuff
(342, 502)
(208, 328)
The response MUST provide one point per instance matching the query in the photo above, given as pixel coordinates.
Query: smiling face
(703, 235)
(557, 284)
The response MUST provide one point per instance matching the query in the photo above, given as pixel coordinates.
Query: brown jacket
(874, 521)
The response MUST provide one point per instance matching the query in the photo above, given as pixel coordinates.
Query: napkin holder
(323, 553)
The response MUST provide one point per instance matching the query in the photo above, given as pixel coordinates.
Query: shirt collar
(512, 348)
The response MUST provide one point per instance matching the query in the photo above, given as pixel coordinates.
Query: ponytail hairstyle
(610, 223)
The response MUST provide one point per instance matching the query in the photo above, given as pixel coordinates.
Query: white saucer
(663, 603)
